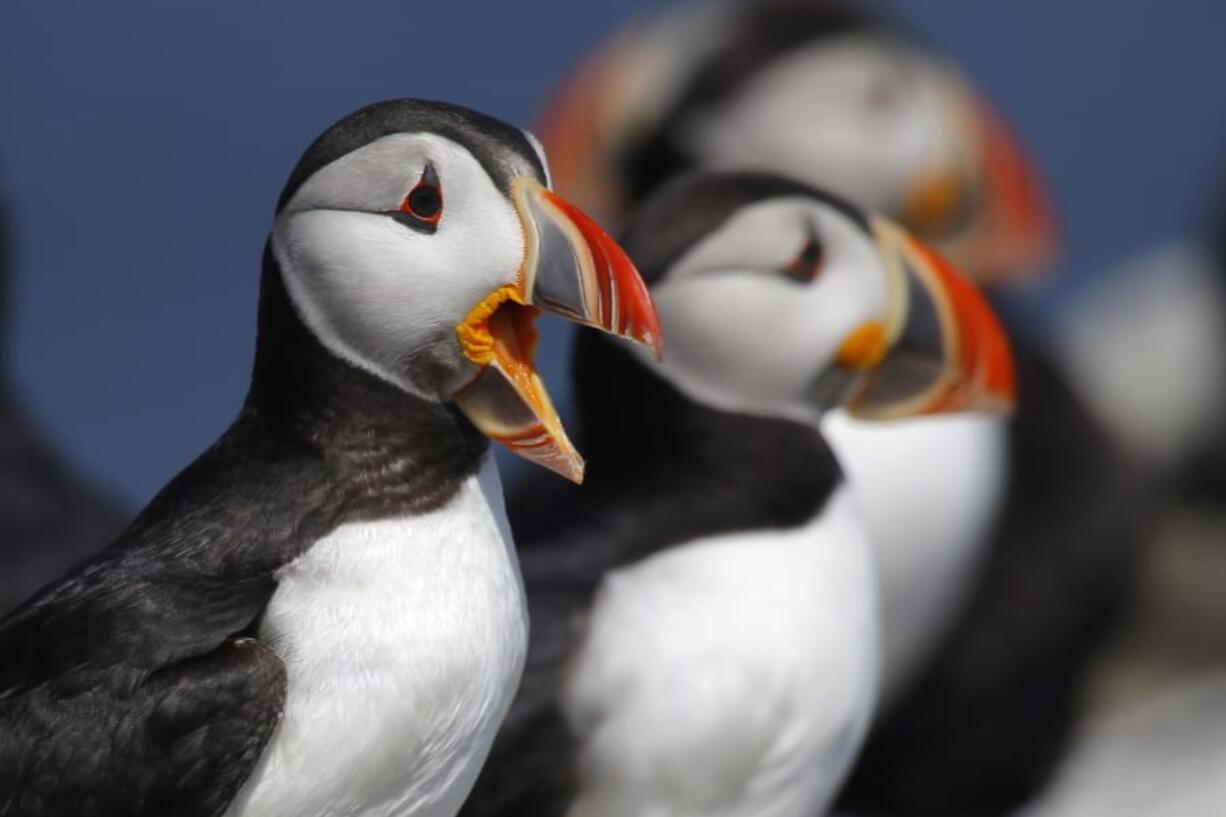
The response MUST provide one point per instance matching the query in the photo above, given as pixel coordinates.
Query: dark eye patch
(422, 208)
(807, 264)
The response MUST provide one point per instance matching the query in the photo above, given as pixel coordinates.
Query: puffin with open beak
(976, 521)
(323, 614)
(705, 633)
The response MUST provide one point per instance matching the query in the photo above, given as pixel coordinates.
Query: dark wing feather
(130, 688)
(179, 742)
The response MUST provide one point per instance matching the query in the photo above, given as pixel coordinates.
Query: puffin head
(419, 240)
(823, 93)
(781, 300)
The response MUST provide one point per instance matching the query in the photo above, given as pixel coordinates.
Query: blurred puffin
(1163, 312)
(323, 613)
(728, 658)
(1164, 304)
(1004, 548)
(49, 517)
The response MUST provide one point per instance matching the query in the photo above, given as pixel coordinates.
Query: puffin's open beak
(1008, 234)
(571, 268)
(940, 348)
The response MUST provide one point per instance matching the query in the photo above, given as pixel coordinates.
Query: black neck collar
(390, 446)
(664, 469)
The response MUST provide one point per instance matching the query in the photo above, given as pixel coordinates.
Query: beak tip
(654, 341)
(573, 470)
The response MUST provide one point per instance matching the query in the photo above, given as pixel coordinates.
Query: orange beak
(988, 213)
(941, 347)
(579, 122)
(1019, 231)
(571, 268)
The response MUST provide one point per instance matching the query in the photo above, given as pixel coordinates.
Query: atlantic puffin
(323, 613)
(704, 612)
(50, 517)
(977, 521)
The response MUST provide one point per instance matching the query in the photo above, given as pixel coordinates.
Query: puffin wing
(131, 687)
(121, 740)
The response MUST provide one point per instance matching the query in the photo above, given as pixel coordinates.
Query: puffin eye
(422, 208)
(807, 264)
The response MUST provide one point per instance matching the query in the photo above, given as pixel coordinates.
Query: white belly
(930, 490)
(403, 641)
(734, 675)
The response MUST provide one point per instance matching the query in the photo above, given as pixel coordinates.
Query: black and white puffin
(728, 658)
(1004, 547)
(50, 517)
(892, 129)
(323, 615)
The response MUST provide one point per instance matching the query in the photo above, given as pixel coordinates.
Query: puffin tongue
(508, 402)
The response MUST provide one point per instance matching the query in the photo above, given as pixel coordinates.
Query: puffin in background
(323, 613)
(1005, 548)
(1163, 312)
(704, 611)
(1163, 754)
(49, 517)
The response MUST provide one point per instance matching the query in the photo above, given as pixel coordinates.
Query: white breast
(733, 675)
(404, 641)
(930, 490)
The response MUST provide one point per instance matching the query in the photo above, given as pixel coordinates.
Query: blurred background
(142, 148)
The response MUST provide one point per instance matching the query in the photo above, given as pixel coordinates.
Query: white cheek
(806, 116)
(382, 296)
(742, 336)
(358, 285)
(740, 341)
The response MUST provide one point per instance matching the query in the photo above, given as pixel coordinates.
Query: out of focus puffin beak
(940, 348)
(987, 210)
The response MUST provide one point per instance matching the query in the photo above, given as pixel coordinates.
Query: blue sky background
(143, 144)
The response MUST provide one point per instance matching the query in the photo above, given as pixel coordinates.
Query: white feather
(404, 641)
(1144, 344)
(930, 489)
(733, 675)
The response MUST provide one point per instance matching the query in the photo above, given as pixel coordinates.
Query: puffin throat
(506, 399)
(500, 315)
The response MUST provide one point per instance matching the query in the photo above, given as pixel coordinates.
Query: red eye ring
(424, 202)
